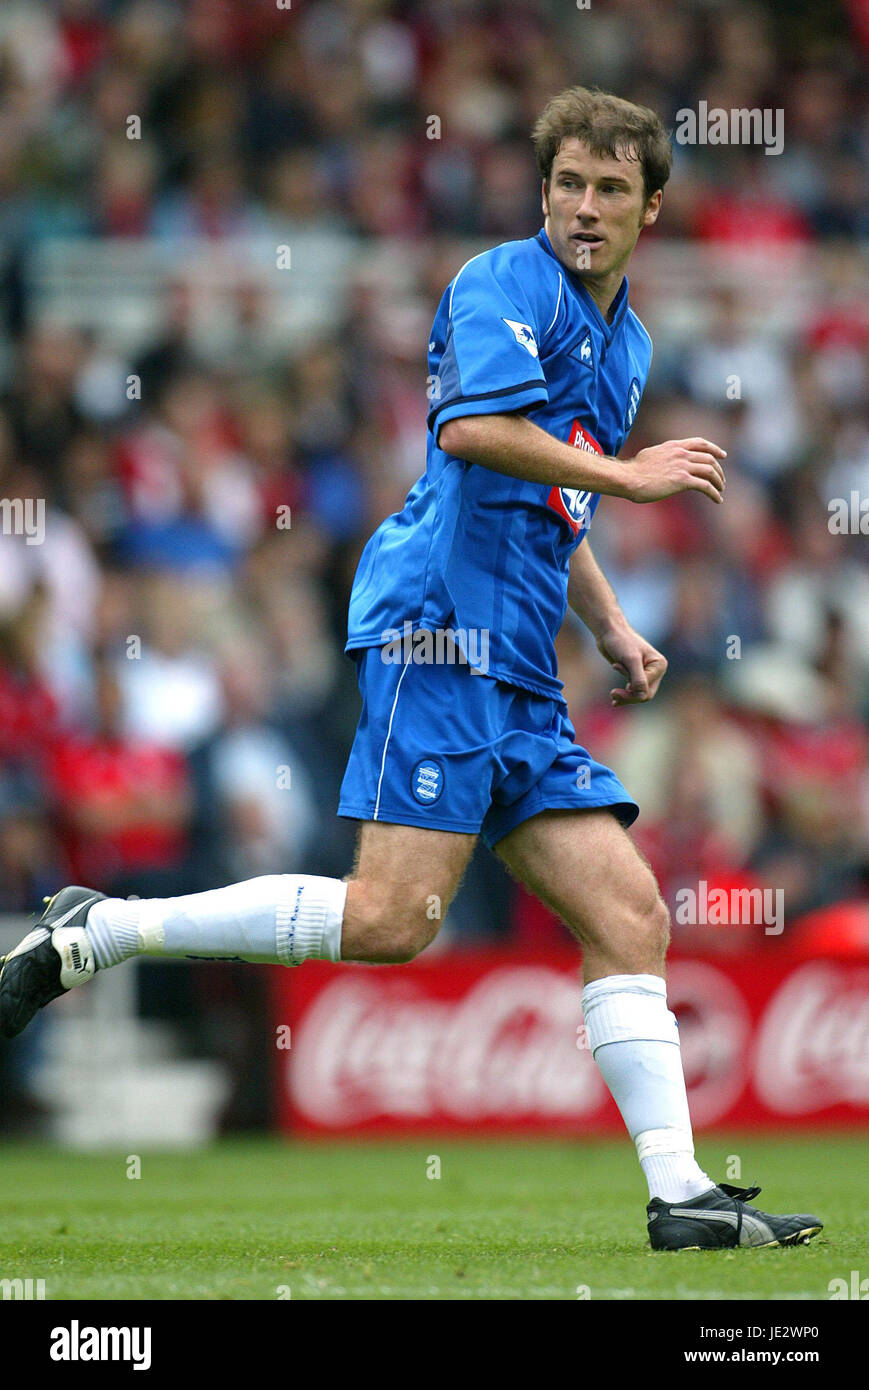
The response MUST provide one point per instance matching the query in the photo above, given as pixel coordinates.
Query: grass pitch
(266, 1219)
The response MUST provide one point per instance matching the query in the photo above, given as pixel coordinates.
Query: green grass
(362, 1221)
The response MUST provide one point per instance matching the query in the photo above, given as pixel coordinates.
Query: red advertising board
(495, 1042)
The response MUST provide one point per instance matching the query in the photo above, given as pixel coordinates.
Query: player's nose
(588, 209)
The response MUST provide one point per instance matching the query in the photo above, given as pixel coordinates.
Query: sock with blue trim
(278, 918)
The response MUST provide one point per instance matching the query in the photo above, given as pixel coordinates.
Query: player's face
(595, 208)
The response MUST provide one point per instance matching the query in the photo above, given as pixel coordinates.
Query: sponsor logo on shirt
(524, 335)
(572, 503)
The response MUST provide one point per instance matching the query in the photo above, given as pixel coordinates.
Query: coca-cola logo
(813, 1043)
(380, 1047)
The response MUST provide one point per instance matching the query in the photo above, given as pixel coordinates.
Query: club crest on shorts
(427, 781)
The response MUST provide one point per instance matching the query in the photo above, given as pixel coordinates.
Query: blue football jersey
(473, 550)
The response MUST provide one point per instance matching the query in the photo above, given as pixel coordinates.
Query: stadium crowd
(175, 708)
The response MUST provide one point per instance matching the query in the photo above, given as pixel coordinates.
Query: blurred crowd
(175, 708)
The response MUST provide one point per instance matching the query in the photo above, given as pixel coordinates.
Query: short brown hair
(609, 125)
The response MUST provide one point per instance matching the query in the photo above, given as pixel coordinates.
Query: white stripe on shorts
(388, 735)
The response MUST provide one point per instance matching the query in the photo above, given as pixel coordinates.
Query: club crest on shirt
(427, 781)
(633, 402)
(571, 503)
(523, 334)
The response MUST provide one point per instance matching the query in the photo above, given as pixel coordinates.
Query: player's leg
(387, 911)
(584, 866)
(420, 812)
(403, 881)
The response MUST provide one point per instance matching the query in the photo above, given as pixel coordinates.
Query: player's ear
(545, 197)
(653, 207)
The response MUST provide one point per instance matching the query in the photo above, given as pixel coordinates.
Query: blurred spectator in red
(123, 804)
(29, 711)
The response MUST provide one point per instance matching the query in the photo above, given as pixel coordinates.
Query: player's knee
(641, 946)
(403, 934)
(392, 928)
(653, 926)
(408, 939)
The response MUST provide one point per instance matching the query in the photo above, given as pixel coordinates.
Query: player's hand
(636, 659)
(680, 465)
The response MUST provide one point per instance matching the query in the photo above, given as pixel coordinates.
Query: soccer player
(537, 365)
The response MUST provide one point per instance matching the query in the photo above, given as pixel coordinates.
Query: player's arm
(514, 445)
(591, 597)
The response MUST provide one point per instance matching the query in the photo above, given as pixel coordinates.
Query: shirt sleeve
(490, 363)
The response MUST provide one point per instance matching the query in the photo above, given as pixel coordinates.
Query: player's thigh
(587, 869)
(402, 883)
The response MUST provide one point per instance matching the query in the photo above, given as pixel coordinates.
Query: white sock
(280, 918)
(634, 1039)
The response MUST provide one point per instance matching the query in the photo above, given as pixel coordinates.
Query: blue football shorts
(445, 749)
